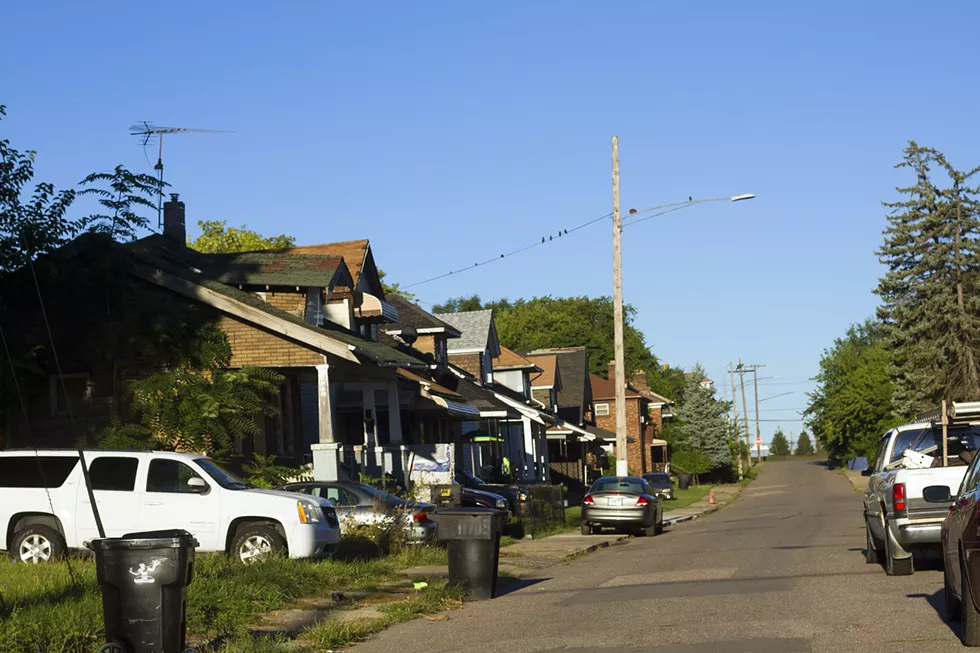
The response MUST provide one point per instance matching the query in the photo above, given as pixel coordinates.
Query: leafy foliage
(126, 192)
(803, 445)
(262, 471)
(691, 461)
(931, 293)
(218, 238)
(852, 405)
(779, 445)
(704, 426)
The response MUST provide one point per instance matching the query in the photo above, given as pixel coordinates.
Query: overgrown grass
(40, 607)
(684, 498)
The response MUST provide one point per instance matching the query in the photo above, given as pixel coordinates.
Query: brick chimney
(640, 381)
(612, 370)
(173, 220)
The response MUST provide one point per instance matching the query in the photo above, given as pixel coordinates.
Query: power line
(544, 240)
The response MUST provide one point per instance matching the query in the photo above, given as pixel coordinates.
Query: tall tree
(218, 238)
(803, 445)
(931, 292)
(779, 445)
(704, 421)
(852, 405)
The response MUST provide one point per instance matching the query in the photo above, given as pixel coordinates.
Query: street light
(619, 376)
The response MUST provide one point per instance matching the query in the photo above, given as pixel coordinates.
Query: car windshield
(619, 484)
(221, 476)
(658, 480)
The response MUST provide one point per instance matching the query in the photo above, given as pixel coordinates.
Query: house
(644, 419)
(474, 351)
(528, 443)
(348, 402)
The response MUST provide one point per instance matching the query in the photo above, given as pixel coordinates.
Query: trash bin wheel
(113, 647)
(37, 543)
(254, 542)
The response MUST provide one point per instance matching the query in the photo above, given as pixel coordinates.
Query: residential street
(780, 570)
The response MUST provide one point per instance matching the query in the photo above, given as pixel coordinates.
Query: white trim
(493, 413)
(605, 405)
(467, 351)
(526, 411)
(422, 331)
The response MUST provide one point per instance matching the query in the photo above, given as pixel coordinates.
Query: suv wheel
(37, 543)
(256, 542)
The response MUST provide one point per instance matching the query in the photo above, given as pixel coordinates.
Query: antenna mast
(147, 132)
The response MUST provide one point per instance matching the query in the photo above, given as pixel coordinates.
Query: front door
(167, 502)
(113, 479)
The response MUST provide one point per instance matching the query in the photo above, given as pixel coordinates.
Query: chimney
(173, 220)
(640, 380)
(612, 370)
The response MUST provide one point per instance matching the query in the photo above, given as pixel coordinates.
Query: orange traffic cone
(711, 497)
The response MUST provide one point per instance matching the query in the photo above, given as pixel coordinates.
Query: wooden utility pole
(731, 373)
(745, 408)
(758, 432)
(622, 466)
(945, 433)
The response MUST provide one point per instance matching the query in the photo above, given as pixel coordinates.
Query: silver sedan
(622, 502)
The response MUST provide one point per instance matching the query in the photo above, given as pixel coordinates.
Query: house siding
(469, 363)
(253, 346)
(638, 451)
(289, 301)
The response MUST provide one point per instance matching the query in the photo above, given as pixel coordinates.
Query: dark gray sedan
(365, 504)
(661, 484)
(622, 502)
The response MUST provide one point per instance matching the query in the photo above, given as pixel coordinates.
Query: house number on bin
(473, 528)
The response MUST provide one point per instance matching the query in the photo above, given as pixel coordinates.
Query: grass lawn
(41, 610)
(684, 498)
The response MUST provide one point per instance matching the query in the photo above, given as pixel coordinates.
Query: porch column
(528, 448)
(325, 405)
(370, 432)
(394, 414)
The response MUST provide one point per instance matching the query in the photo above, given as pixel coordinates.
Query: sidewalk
(724, 494)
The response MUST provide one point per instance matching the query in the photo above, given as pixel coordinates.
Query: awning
(454, 407)
(569, 429)
(371, 306)
(481, 435)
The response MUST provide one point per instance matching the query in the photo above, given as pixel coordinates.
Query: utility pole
(758, 433)
(731, 373)
(622, 466)
(745, 409)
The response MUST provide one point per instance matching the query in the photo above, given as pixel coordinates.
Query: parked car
(470, 498)
(897, 517)
(960, 541)
(515, 495)
(364, 504)
(622, 502)
(140, 491)
(661, 483)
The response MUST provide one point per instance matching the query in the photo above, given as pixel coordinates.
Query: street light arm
(774, 396)
(677, 206)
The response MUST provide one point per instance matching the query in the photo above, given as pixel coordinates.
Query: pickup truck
(897, 518)
(45, 509)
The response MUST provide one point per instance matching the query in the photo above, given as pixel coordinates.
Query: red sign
(758, 442)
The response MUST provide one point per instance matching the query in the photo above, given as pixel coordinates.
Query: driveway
(780, 570)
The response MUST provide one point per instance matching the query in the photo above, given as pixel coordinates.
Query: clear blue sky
(448, 132)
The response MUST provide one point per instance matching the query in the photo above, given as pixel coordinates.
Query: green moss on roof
(271, 269)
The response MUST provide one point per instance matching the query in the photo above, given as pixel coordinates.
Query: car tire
(969, 613)
(893, 566)
(37, 543)
(585, 528)
(871, 554)
(255, 542)
(954, 611)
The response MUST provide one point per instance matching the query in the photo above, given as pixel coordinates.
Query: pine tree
(803, 445)
(779, 445)
(705, 425)
(931, 292)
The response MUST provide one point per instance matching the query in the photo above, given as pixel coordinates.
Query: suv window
(36, 471)
(169, 476)
(116, 474)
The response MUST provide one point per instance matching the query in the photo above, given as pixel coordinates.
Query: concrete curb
(669, 521)
(595, 547)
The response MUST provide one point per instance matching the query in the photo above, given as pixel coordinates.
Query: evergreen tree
(803, 445)
(931, 292)
(779, 445)
(704, 421)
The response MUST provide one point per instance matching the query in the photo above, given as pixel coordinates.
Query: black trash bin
(144, 579)
(684, 481)
(473, 537)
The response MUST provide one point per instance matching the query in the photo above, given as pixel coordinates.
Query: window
(36, 471)
(70, 394)
(621, 484)
(169, 476)
(338, 496)
(601, 410)
(115, 474)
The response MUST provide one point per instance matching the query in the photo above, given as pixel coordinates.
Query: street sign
(758, 442)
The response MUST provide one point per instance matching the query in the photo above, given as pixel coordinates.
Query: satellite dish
(409, 334)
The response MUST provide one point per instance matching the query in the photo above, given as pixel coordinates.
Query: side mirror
(867, 472)
(937, 494)
(198, 485)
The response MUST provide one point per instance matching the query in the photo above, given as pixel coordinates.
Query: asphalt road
(780, 570)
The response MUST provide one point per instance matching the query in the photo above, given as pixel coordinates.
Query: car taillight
(642, 501)
(898, 496)
(588, 500)
(420, 517)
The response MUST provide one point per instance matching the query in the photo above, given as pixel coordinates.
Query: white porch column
(325, 404)
(370, 433)
(528, 462)
(394, 414)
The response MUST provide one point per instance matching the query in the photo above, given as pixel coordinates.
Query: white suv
(45, 508)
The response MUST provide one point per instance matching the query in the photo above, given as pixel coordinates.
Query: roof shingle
(474, 327)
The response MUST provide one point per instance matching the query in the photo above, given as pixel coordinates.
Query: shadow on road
(937, 602)
(507, 585)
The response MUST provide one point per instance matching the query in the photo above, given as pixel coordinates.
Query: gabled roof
(605, 389)
(272, 269)
(549, 376)
(511, 360)
(576, 390)
(354, 253)
(476, 328)
(482, 398)
(410, 314)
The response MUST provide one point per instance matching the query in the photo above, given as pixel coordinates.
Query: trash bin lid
(170, 539)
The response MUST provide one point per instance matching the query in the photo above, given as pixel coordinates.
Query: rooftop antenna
(147, 132)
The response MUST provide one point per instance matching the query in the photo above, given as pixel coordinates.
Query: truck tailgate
(917, 480)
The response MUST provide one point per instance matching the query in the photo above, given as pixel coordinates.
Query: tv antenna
(147, 132)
